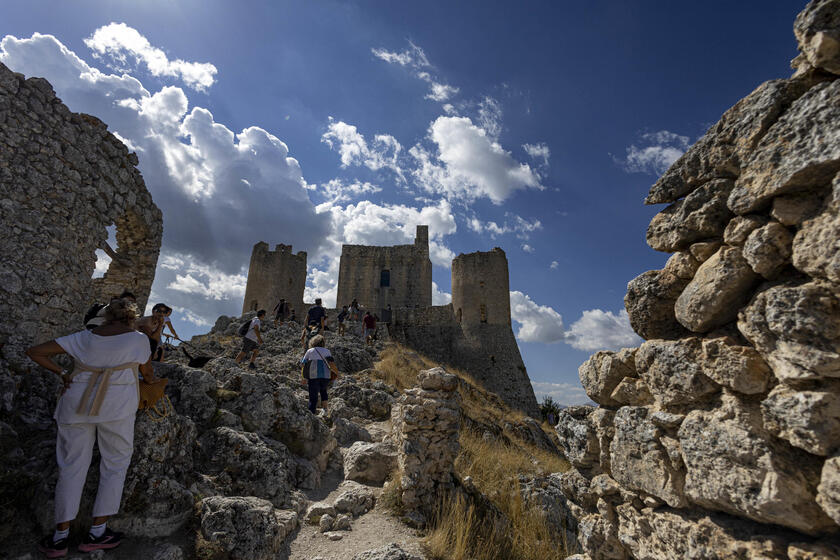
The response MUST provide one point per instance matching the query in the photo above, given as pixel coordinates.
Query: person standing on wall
(251, 339)
(98, 405)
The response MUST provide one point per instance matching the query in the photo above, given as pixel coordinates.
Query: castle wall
(409, 274)
(63, 179)
(481, 288)
(275, 275)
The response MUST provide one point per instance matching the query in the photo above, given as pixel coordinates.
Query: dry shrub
(517, 532)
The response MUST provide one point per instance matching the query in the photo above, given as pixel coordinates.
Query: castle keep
(400, 276)
(473, 333)
(275, 275)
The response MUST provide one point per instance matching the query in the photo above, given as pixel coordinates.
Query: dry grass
(399, 366)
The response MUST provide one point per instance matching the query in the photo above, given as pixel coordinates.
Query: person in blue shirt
(316, 368)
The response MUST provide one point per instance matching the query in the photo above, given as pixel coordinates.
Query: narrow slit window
(483, 311)
(385, 279)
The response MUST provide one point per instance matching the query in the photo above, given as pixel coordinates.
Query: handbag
(153, 399)
(331, 365)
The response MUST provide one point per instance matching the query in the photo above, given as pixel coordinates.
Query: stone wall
(63, 179)
(719, 437)
(378, 276)
(275, 275)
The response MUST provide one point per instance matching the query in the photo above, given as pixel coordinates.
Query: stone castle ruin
(719, 437)
(63, 180)
(472, 333)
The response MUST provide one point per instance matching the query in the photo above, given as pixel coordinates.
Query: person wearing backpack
(251, 338)
(317, 369)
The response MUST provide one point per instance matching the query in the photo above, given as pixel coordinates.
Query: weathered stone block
(768, 249)
(816, 246)
(650, 303)
(602, 372)
(700, 215)
(810, 420)
(673, 371)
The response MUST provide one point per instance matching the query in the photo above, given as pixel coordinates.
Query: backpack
(245, 327)
(92, 312)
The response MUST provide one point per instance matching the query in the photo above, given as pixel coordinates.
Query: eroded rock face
(578, 440)
(800, 150)
(673, 371)
(650, 303)
(720, 287)
(796, 328)
(601, 373)
(768, 249)
(817, 29)
(242, 528)
(700, 215)
(810, 420)
(369, 462)
(816, 246)
(828, 492)
(733, 465)
(740, 227)
(723, 149)
(639, 460)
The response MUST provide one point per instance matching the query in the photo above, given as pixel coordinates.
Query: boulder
(318, 510)
(602, 372)
(828, 491)
(673, 371)
(347, 432)
(153, 507)
(544, 494)
(242, 528)
(737, 367)
(578, 440)
(740, 227)
(816, 246)
(721, 152)
(640, 461)
(244, 463)
(721, 286)
(703, 250)
(800, 150)
(682, 264)
(700, 215)
(796, 328)
(817, 30)
(733, 465)
(369, 462)
(354, 499)
(650, 303)
(768, 249)
(809, 420)
(633, 391)
(391, 551)
(598, 537)
(655, 534)
(793, 209)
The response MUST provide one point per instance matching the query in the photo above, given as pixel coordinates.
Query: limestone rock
(700, 215)
(354, 499)
(813, 551)
(734, 465)
(682, 264)
(602, 372)
(810, 420)
(342, 522)
(723, 149)
(793, 209)
(673, 371)
(799, 151)
(650, 303)
(239, 528)
(632, 391)
(578, 440)
(347, 432)
(245, 463)
(703, 250)
(816, 246)
(325, 523)
(655, 534)
(740, 368)
(817, 30)
(154, 507)
(720, 287)
(576, 487)
(317, 510)
(640, 462)
(598, 537)
(391, 551)
(768, 249)
(369, 462)
(602, 420)
(740, 227)
(828, 492)
(796, 328)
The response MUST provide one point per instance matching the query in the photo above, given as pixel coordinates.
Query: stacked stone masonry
(275, 275)
(63, 180)
(719, 437)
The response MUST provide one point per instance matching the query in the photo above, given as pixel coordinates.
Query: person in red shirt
(369, 323)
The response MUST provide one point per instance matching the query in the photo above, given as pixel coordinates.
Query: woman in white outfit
(99, 403)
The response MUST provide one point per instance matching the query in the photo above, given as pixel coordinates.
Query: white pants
(74, 450)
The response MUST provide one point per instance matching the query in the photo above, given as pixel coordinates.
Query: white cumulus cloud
(354, 150)
(440, 297)
(537, 323)
(538, 151)
(655, 153)
(518, 225)
(602, 330)
(122, 44)
(564, 394)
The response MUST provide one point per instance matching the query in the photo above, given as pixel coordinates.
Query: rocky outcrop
(719, 437)
(427, 422)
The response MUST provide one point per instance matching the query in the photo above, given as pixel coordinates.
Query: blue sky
(533, 126)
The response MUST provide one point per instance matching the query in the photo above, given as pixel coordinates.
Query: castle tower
(481, 289)
(399, 276)
(275, 275)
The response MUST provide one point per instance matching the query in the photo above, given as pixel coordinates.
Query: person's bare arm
(42, 353)
(257, 332)
(149, 372)
(172, 329)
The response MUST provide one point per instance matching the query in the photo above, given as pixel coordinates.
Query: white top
(251, 334)
(94, 350)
